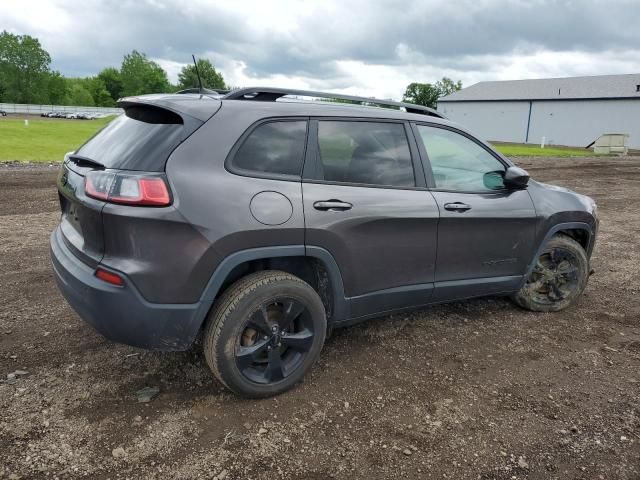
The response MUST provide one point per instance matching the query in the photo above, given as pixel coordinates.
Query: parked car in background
(305, 216)
(71, 115)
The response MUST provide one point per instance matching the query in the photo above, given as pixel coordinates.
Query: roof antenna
(195, 64)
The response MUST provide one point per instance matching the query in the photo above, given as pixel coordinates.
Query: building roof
(571, 88)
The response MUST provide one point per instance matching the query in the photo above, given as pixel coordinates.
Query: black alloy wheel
(558, 277)
(264, 333)
(555, 276)
(275, 340)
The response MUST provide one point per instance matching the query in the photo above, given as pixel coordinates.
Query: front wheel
(558, 277)
(264, 333)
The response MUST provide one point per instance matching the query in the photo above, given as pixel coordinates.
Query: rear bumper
(120, 313)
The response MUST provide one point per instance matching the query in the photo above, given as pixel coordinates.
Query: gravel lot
(477, 389)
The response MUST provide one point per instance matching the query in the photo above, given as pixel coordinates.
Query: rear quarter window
(272, 149)
(140, 139)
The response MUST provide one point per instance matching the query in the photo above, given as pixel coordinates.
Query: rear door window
(273, 148)
(140, 139)
(370, 153)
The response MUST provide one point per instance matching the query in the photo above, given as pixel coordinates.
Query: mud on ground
(477, 389)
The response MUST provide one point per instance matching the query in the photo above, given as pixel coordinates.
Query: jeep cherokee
(263, 220)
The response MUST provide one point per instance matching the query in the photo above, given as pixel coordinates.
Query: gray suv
(262, 221)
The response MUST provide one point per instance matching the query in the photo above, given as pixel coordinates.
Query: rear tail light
(128, 189)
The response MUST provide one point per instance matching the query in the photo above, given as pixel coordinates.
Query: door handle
(457, 207)
(332, 206)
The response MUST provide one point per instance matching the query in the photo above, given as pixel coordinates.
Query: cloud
(362, 47)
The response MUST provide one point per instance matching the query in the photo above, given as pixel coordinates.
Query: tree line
(427, 94)
(26, 77)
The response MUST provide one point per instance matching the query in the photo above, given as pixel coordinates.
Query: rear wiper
(86, 162)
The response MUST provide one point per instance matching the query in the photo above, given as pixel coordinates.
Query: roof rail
(268, 94)
(214, 91)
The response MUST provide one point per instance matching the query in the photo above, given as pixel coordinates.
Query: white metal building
(571, 111)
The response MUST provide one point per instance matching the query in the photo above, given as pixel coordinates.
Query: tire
(558, 278)
(242, 344)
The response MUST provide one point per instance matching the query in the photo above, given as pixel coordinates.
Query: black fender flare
(550, 233)
(340, 304)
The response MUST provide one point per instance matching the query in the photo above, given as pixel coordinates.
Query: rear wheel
(558, 277)
(264, 333)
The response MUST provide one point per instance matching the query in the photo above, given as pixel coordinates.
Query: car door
(486, 231)
(366, 203)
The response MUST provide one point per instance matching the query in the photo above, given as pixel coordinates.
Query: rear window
(140, 139)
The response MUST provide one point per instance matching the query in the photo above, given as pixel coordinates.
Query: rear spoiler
(199, 107)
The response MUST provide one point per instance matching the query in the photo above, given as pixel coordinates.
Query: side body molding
(342, 306)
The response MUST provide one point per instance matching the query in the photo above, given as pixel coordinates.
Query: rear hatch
(138, 141)
(81, 224)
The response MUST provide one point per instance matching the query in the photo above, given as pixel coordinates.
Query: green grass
(520, 150)
(44, 140)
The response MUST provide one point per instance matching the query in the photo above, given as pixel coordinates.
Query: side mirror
(516, 178)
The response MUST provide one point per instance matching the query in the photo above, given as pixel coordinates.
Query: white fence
(38, 109)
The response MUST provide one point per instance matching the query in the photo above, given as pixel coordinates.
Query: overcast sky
(371, 48)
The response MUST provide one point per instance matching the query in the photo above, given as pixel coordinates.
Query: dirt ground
(472, 390)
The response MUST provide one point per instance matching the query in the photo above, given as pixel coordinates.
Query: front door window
(460, 164)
